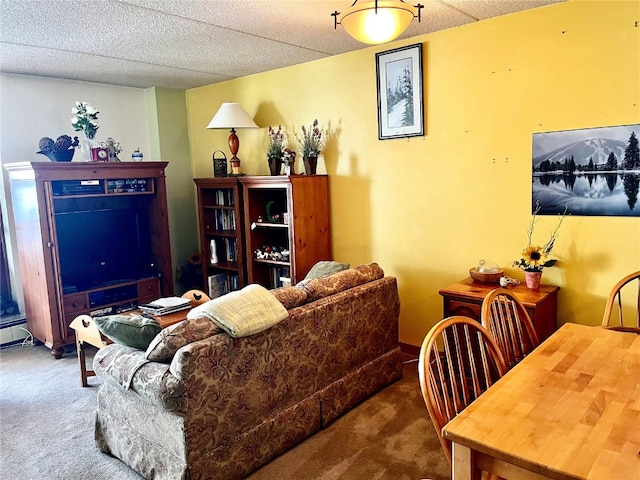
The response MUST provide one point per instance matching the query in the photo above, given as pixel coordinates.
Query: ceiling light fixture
(232, 115)
(377, 21)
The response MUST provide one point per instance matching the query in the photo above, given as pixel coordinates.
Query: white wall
(36, 107)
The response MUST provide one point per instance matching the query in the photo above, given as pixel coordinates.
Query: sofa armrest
(127, 368)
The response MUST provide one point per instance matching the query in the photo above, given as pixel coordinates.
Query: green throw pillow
(324, 268)
(132, 330)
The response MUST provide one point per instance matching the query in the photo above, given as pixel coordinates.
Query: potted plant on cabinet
(311, 143)
(275, 149)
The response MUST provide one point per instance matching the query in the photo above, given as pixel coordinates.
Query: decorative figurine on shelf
(272, 217)
(136, 156)
(113, 149)
(289, 161)
(214, 254)
(274, 253)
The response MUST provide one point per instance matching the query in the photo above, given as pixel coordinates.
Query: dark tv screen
(103, 247)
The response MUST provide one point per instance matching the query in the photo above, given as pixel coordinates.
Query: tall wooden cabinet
(285, 213)
(221, 228)
(279, 226)
(93, 239)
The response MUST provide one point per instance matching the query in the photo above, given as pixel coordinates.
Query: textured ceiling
(190, 43)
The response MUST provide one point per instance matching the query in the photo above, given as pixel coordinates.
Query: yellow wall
(167, 119)
(427, 209)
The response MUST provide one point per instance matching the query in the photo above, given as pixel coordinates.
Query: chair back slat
(458, 361)
(504, 316)
(620, 299)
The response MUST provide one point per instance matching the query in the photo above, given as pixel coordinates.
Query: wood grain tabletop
(571, 409)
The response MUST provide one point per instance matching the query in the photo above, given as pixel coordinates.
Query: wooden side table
(465, 298)
(87, 332)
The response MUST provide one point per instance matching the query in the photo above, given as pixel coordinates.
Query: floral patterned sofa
(218, 407)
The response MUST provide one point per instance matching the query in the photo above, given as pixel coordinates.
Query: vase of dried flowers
(311, 143)
(275, 164)
(275, 150)
(310, 165)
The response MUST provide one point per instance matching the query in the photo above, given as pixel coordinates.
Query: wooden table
(465, 298)
(88, 333)
(570, 409)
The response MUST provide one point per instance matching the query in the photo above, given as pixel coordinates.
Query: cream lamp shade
(377, 21)
(232, 115)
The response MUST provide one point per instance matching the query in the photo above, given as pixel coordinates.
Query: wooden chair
(458, 362)
(509, 324)
(621, 301)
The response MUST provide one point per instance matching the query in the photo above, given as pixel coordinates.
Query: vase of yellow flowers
(535, 257)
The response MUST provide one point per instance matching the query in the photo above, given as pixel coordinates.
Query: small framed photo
(400, 96)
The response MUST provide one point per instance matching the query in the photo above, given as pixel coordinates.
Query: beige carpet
(46, 425)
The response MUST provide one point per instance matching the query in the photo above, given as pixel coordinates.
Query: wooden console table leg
(84, 373)
(86, 333)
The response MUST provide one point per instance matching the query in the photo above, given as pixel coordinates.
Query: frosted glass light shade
(231, 115)
(367, 25)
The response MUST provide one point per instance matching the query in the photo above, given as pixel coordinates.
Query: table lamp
(232, 115)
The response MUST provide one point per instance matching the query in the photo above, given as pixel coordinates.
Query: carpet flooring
(46, 430)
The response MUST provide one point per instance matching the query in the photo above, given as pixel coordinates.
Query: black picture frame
(589, 171)
(400, 92)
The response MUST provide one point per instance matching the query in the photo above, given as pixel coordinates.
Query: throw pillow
(132, 330)
(243, 312)
(166, 343)
(324, 268)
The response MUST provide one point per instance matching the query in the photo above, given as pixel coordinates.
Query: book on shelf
(224, 197)
(217, 285)
(225, 220)
(165, 305)
(279, 277)
(230, 249)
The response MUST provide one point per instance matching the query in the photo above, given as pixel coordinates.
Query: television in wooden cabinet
(94, 239)
(287, 226)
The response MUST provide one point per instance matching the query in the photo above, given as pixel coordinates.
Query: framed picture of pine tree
(400, 92)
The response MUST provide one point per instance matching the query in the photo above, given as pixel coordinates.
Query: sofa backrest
(318, 288)
(317, 344)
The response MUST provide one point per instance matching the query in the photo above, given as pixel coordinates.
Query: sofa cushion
(132, 330)
(323, 287)
(243, 312)
(165, 344)
(290, 297)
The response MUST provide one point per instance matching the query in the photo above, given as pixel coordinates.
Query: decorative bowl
(490, 276)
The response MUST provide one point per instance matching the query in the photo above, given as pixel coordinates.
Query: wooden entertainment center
(93, 238)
